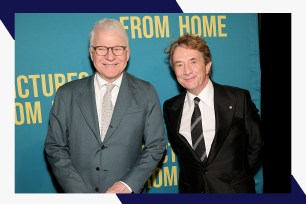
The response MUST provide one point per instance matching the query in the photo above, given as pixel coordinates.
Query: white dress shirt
(100, 89)
(207, 109)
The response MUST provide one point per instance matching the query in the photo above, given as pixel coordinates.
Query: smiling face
(190, 68)
(110, 66)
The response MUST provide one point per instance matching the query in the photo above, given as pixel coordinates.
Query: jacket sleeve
(154, 145)
(57, 149)
(252, 128)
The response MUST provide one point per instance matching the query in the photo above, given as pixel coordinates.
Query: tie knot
(196, 101)
(109, 87)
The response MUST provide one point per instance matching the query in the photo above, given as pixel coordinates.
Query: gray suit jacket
(133, 146)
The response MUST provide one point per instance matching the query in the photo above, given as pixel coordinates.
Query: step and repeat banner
(52, 49)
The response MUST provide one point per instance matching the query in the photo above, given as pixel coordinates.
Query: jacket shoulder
(231, 90)
(137, 81)
(75, 85)
(175, 100)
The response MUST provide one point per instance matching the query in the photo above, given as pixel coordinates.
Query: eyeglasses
(102, 50)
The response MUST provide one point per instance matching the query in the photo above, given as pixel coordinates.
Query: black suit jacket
(234, 154)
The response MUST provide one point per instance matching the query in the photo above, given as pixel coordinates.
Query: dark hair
(190, 42)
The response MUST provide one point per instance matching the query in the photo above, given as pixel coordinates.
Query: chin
(190, 86)
(111, 74)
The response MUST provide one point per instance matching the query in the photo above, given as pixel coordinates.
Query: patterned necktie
(197, 136)
(107, 110)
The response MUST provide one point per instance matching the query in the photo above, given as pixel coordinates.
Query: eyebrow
(175, 62)
(180, 61)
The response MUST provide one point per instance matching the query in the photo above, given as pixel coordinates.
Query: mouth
(189, 79)
(110, 65)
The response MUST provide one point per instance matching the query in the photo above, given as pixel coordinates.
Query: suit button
(205, 170)
(97, 189)
(97, 168)
(103, 147)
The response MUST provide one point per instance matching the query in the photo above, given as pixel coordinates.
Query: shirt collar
(102, 82)
(206, 95)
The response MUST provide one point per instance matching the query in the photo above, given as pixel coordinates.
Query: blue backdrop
(52, 49)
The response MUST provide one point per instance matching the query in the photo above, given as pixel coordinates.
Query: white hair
(110, 25)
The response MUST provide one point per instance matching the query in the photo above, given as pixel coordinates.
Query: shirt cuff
(126, 186)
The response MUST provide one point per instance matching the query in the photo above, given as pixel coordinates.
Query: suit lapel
(125, 96)
(224, 111)
(177, 115)
(178, 111)
(87, 103)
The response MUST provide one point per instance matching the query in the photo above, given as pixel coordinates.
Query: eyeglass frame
(95, 49)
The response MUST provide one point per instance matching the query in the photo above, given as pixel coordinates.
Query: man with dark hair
(213, 129)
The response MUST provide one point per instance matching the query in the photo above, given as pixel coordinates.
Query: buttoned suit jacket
(235, 150)
(133, 145)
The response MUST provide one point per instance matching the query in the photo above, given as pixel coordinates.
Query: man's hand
(118, 187)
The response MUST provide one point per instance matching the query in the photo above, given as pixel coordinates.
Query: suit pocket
(132, 110)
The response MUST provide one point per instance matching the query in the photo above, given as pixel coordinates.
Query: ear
(127, 54)
(91, 54)
(208, 67)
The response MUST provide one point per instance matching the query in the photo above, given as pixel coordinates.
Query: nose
(110, 55)
(187, 69)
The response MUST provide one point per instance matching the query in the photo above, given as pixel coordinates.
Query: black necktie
(197, 136)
